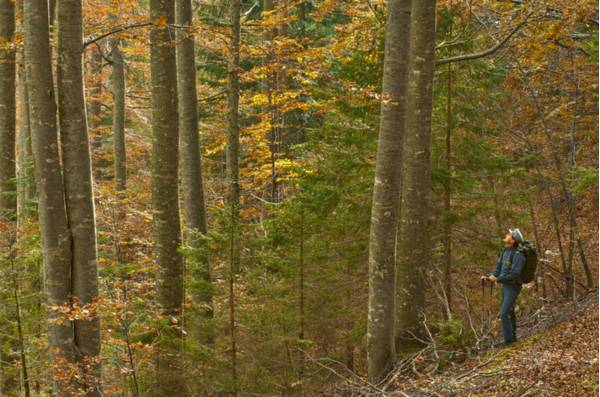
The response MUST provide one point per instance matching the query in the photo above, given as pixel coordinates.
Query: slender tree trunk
(301, 298)
(413, 249)
(56, 236)
(233, 173)
(118, 127)
(233, 99)
(386, 193)
(448, 197)
(77, 172)
(165, 201)
(573, 155)
(20, 335)
(538, 243)
(497, 215)
(26, 186)
(193, 189)
(567, 271)
(51, 12)
(94, 110)
(96, 89)
(8, 197)
(269, 86)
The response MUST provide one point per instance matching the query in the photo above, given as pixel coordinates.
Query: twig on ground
(479, 366)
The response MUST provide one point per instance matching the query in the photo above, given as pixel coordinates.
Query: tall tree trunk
(193, 190)
(386, 193)
(26, 185)
(448, 196)
(233, 172)
(118, 127)
(567, 270)
(8, 198)
(573, 157)
(96, 89)
(56, 236)
(165, 201)
(269, 86)
(51, 12)
(538, 243)
(77, 173)
(233, 100)
(94, 109)
(413, 248)
(496, 202)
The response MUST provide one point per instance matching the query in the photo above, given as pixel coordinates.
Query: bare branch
(119, 29)
(489, 51)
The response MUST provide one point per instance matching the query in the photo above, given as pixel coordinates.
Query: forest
(298, 198)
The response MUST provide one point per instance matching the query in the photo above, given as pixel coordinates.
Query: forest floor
(557, 356)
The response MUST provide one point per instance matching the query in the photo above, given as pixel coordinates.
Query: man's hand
(483, 277)
(492, 278)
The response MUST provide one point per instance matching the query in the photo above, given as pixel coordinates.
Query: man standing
(508, 272)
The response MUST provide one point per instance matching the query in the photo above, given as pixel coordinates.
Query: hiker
(508, 272)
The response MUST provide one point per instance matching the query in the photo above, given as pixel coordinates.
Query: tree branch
(92, 40)
(489, 51)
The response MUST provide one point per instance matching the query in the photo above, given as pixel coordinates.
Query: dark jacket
(507, 271)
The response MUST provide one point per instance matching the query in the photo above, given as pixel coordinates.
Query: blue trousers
(507, 312)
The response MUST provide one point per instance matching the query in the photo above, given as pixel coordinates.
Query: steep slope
(558, 358)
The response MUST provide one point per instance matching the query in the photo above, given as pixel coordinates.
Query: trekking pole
(492, 289)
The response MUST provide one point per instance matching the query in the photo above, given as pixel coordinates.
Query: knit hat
(516, 234)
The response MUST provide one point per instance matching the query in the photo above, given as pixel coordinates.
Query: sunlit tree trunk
(191, 172)
(386, 193)
(77, 174)
(56, 236)
(8, 198)
(233, 173)
(26, 186)
(165, 201)
(94, 109)
(118, 126)
(413, 248)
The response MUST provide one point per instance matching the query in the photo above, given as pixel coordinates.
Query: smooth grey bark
(77, 175)
(165, 200)
(56, 236)
(413, 247)
(189, 150)
(26, 185)
(386, 193)
(8, 198)
(118, 126)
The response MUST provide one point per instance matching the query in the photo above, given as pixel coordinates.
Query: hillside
(557, 356)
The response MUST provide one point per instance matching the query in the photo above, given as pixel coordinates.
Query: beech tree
(386, 193)
(118, 125)
(414, 245)
(75, 151)
(55, 233)
(8, 198)
(165, 198)
(191, 171)
(326, 154)
(25, 188)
